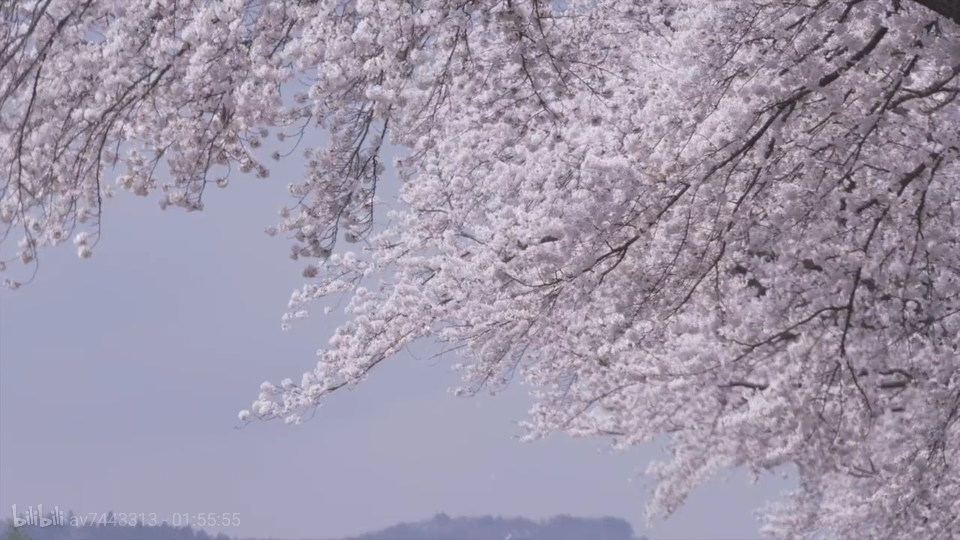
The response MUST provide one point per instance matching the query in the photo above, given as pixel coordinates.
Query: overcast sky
(121, 378)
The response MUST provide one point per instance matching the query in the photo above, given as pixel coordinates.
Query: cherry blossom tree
(731, 222)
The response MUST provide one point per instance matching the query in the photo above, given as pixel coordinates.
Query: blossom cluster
(730, 222)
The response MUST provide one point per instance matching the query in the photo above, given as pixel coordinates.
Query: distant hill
(443, 527)
(440, 527)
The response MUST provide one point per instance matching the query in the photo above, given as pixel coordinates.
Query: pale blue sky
(121, 378)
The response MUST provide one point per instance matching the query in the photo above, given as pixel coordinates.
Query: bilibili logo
(36, 517)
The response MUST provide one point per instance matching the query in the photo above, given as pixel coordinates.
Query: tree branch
(947, 8)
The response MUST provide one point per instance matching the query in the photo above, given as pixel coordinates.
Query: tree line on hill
(440, 527)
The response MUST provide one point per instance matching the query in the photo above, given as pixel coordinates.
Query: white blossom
(729, 222)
